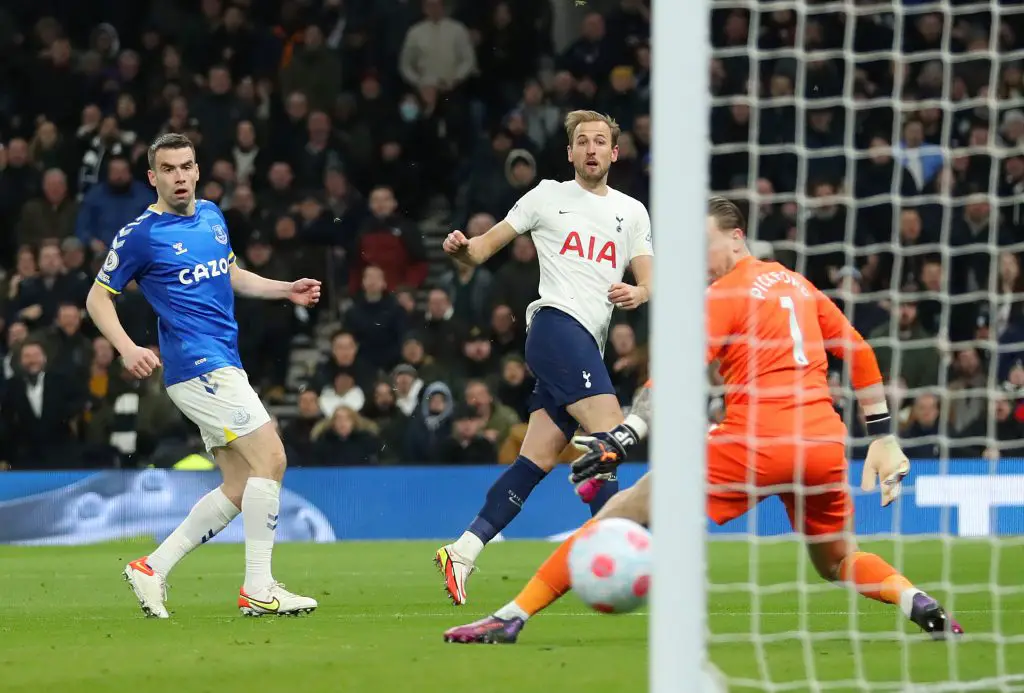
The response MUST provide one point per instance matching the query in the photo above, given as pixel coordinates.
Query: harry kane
(586, 235)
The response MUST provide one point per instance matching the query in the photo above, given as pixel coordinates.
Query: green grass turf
(68, 623)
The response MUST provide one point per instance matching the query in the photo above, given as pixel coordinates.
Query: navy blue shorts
(565, 360)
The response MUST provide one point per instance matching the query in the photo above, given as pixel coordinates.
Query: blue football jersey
(182, 266)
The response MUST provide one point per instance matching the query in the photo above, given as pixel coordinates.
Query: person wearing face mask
(409, 109)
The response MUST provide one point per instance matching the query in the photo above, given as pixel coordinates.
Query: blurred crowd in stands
(342, 139)
(885, 160)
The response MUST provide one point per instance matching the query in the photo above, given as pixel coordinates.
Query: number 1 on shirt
(794, 331)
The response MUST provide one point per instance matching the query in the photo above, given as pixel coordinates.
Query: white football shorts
(221, 403)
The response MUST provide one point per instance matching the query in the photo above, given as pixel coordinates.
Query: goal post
(679, 124)
(879, 150)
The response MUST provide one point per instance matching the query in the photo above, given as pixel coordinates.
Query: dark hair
(170, 140)
(727, 215)
(33, 341)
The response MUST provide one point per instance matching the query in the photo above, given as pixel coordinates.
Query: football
(610, 565)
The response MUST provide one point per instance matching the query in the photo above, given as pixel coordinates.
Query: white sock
(261, 503)
(511, 610)
(468, 546)
(209, 516)
(907, 600)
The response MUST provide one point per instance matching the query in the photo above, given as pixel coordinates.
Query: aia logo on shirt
(586, 248)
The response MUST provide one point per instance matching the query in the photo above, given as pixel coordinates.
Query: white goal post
(958, 532)
(679, 124)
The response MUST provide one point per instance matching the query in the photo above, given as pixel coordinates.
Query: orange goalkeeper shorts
(810, 478)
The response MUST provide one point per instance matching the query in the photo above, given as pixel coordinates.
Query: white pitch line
(453, 614)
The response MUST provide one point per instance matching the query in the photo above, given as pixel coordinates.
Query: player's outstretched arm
(479, 249)
(139, 361)
(302, 292)
(885, 461)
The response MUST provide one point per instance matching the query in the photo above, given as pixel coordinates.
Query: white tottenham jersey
(584, 244)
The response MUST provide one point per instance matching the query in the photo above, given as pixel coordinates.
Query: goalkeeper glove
(885, 462)
(601, 455)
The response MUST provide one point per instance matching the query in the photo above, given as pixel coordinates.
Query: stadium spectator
(516, 385)
(297, 434)
(441, 330)
(430, 424)
(389, 241)
(918, 358)
(507, 336)
(437, 51)
(108, 206)
(52, 215)
(39, 411)
(468, 442)
(470, 291)
(345, 357)
(102, 140)
(314, 70)
(99, 377)
(496, 418)
(263, 352)
(19, 181)
(624, 360)
(135, 418)
(69, 352)
(377, 321)
(341, 137)
(414, 354)
(350, 440)
(391, 420)
(921, 433)
(36, 298)
(515, 284)
(17, 333)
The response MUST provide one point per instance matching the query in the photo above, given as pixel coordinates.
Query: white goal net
(878, 149)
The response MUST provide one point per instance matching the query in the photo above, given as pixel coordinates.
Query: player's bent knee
(544, 441)
(827, 555)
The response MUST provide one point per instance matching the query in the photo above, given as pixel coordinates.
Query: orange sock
(551, 580)
(873, 577)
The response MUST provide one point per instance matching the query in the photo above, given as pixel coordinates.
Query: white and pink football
(610, 565)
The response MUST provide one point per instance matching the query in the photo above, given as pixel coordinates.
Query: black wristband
(624, 436)
(878, 425)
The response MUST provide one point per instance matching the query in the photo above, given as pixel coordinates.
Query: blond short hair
(576, 118)
(726, 214)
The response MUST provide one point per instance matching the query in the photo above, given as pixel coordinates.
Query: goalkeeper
(769, 329)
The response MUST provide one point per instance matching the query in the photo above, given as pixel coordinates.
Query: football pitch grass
(69, 623)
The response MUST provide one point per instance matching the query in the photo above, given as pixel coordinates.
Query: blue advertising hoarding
(959, 498)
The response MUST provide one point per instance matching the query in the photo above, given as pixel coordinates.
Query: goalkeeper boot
(933, 619)
(455, 570)
(274, 601)
(489, 631)
(149, 587)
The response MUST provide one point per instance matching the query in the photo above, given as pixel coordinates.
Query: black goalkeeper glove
(602, 454)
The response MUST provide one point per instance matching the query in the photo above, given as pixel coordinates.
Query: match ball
(610, 565)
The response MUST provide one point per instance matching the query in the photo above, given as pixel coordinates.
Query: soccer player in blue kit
(178, 252)
(586, 234)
